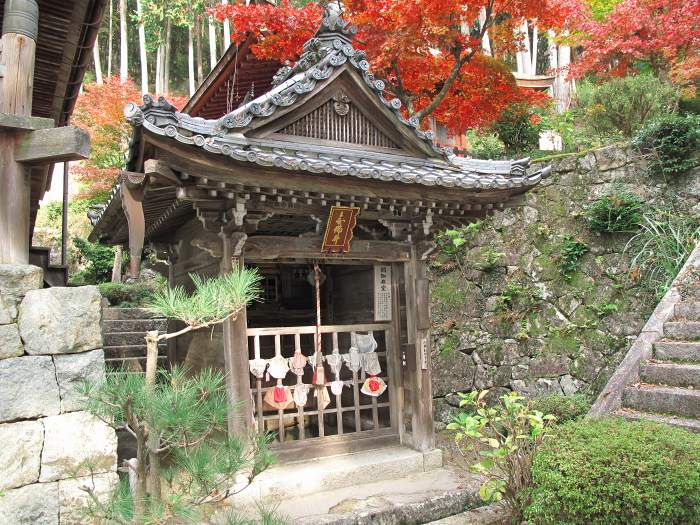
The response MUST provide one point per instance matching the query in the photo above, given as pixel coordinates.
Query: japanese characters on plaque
(339, 229)
(382, 292)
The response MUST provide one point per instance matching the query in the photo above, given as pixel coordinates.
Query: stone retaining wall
(50, 340)
(506, 318)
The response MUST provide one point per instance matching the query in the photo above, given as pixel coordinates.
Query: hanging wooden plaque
(339, 228)
(382, 292)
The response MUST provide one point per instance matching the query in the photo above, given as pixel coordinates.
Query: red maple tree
(429, 52)
(662, 34)
(99, 110)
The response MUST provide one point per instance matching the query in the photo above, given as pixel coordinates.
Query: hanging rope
(319, 376)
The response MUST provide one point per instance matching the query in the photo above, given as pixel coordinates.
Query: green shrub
(621, 212)
(95, 259)
(483, 145)
(518, 128)
(670, 143)
(621, 106)
(613, 472)
(564, 408)
(569, 257)
(659, 250)
(506, 436)
(129, 295)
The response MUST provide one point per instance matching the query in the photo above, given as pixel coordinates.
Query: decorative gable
(339, 120)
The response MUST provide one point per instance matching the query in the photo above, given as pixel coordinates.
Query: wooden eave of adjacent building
(67, 32)
(237, 73)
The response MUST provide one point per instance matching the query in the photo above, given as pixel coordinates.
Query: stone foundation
(50, 340)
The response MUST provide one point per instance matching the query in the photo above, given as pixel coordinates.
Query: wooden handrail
(328, 329)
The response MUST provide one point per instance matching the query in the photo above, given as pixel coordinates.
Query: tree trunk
(142, 50)
(200, 53)
(153, 484)
(227, 31)
(117, 266)
(98, 63)
(110, 41)
(190, 59)
(123, 43)
(533, 64)
(166, 58)
(212, 44)
(139, 495)
(485, 42)
(159, 70)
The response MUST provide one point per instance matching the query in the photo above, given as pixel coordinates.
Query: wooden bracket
(9, 122)
(46, 146)
(161, 171)
(132, 204)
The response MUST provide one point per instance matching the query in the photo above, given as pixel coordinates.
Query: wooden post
(418, 325)
(17, 51)
(133, 191)
(240, 420)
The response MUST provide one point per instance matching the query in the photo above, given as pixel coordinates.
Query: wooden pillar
(240, 421)
(418, 355)
(17, 50)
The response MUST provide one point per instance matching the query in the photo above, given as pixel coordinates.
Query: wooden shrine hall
(261, 186)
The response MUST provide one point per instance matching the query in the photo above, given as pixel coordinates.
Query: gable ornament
(341, 103)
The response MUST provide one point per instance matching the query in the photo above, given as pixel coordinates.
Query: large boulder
(77, 444)
(74, 501)
(71, 369)
(20, 454)
(28, 388)
(35, 504)
(456, 373)
(10, 343)
(61, 320)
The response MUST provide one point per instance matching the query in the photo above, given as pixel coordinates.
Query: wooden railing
(281, 334)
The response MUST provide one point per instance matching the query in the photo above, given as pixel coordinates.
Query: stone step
(677, 351)
(110, 326)
(693, 425)
(414, 497)
(295, 479)
(662, 400)
(113, 313)
(689, 310)
(671, 374)
(682, 330)
(118, 352)
(124, 338)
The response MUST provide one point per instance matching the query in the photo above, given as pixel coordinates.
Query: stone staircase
(124, 330)
(669, 387)
(659, 378)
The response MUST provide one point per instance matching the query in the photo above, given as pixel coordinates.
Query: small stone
(71, 369)
(549, 366)
(77, 444)
(569, 385)
(35, 504)
(61, 320)
(8, 310)
(530, 214)
(28, 388)
(10, 343)
(73, 500)
(20, 454)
